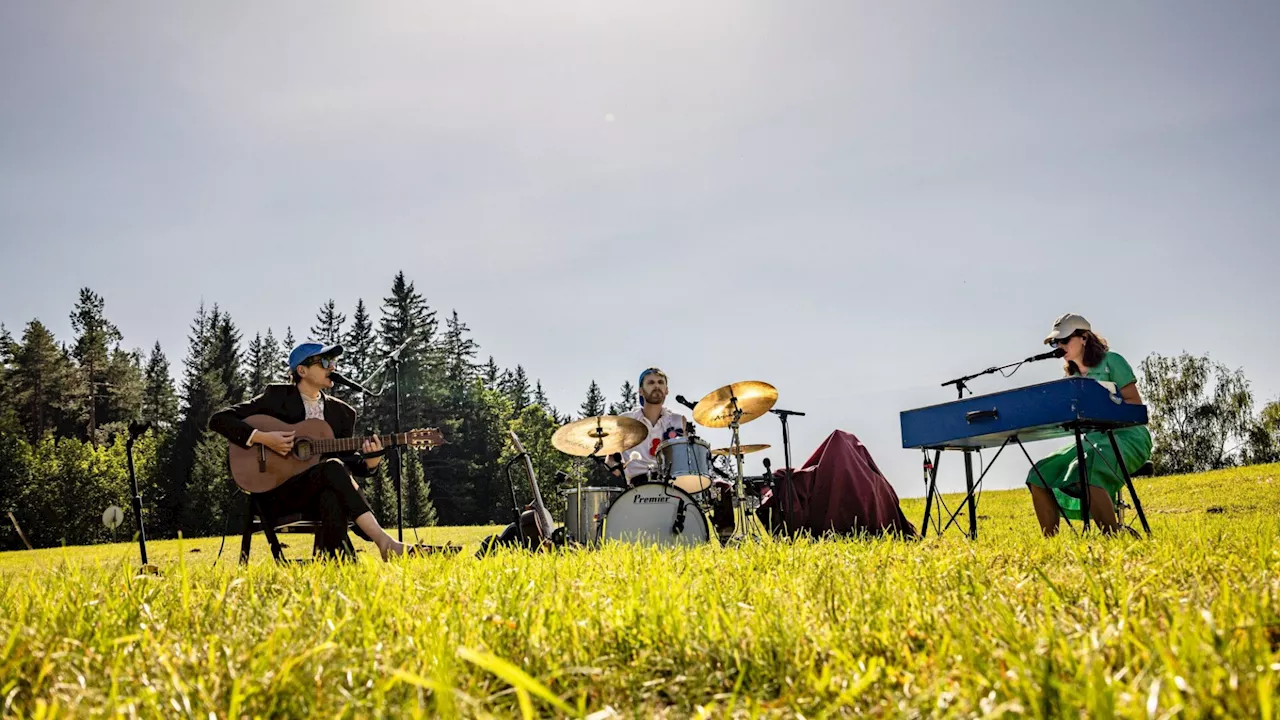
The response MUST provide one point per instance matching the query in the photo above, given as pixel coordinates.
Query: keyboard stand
(971, 486)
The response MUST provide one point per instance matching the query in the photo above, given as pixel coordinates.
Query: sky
(853, 201)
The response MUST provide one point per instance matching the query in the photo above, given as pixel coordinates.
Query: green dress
(1059, 469)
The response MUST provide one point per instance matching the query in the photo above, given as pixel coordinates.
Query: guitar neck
(347, 445)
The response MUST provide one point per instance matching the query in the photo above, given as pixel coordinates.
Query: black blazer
(284, 402)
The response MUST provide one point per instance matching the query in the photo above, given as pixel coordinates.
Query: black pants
(324, 492)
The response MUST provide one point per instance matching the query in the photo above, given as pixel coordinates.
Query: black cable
(226, 525)
(1011, 372)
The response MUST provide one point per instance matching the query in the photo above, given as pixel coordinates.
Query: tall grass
(1187, 623)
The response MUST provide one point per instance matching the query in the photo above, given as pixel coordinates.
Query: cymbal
(716, 410)
(616, 432)
(742, 450)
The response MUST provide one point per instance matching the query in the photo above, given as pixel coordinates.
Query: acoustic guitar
(536, 526)
(258, 468)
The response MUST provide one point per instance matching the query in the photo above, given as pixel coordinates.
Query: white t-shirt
(639, 459)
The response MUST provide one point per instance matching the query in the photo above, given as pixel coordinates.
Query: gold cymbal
(742, 450)
(613, 433)
(754, 399)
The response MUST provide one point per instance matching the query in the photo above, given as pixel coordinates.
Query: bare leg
(387, 545)
(1102, 510)
(1046, 509)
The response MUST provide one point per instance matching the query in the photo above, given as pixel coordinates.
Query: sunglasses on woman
(1063, 342)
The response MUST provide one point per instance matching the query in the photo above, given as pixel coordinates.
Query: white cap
(1066, 326)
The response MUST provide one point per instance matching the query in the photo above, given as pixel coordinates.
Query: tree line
(65, 409)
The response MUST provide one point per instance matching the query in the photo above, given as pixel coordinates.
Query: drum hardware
(731, 406)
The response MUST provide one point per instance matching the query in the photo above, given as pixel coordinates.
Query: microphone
(341, 379)
(678, 526)
(768, 470)
(681, 399)
(1055, 353)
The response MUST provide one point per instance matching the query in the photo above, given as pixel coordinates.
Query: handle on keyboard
(976, 415)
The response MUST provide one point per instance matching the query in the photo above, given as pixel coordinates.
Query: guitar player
(328, 489)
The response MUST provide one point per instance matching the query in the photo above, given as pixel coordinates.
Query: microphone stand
(135, 431)
(961, 386)
(515, 504)
(393, 360)
(787, 501)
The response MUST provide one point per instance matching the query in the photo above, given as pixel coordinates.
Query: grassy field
(1185, 624)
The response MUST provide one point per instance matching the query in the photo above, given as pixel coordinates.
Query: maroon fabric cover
(840, 489)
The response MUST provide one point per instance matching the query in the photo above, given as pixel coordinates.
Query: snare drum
(584, 512)
(686, 463)
(656, 513)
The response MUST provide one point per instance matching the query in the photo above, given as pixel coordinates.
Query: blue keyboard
(1037, 412)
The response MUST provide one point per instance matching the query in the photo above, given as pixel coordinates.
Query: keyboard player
(1088, 355)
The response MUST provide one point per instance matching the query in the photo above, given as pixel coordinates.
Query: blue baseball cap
(643, 375)
(308, 350)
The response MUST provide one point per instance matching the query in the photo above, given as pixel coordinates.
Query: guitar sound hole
(302, 449)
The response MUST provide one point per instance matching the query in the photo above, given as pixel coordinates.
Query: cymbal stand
(744, 527)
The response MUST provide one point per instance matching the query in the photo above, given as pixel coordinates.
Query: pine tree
(518, 389)
(459, 353)
(7, 349)
(418, 510)
(227, 359)
(211, 381)
(125, 388)
(594, 404)
(42, 383)
(540, 398)
(95, 339)
(287, 347)
(270, 355)
(328, 327)
(380, 492)
(491, 374)
(359, 345)
(159, 400)
(408, 321)
(259, 365)
(628, 402)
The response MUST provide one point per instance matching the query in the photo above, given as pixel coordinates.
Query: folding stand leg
(972, 499)
(968, 486)
(1084, 478)
(931, 490)
(1128, 481)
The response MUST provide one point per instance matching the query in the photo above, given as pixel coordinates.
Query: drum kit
(672, 508)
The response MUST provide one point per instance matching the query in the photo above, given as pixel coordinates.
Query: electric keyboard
(1036, 412)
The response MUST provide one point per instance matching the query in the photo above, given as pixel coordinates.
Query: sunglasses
(328, 363)
(1063, 342)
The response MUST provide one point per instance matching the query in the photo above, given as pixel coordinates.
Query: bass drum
(659, 514)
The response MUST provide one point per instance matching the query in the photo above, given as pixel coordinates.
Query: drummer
(663, 425)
